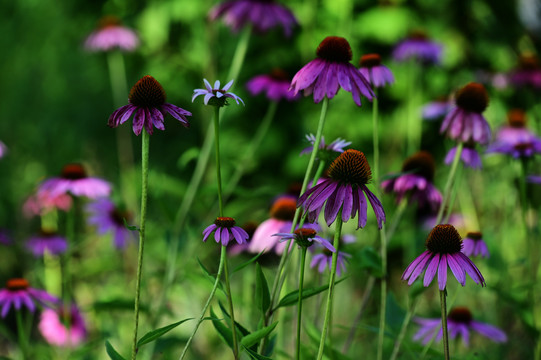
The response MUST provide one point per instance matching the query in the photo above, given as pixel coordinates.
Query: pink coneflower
(306, 236)
(330, 71)
(107, 217)
(3, 149)
(459, 322)
(344, 191)
(18, 292)
(515, 139)
(147, 104)
(416, 181)
(225, 230)
(326, 152)
(444, 248)
(469, 156)
(43, 202)
(261, 14)
(473, 245)
(465, 122)
(111, 35)
(419, 47)
(275, 86)
(47, 241)
(52, 326)
(214, 95)
(377, 74)
(73, 180)
(281, 217)
(527, 73)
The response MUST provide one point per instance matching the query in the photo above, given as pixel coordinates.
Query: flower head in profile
(419, 47)
(443, 249)
(474, 245)
(437, 109)
(515, 138)
(42, 202)
(330, 71)
(459, 322)
(225, 230)
(18, 292)
(344, 191)
(47, 241)
(306, 236)
(4, 149)
(469, 156)
(52, 326)
(73, 180)
(527, 73)
(326, 152)
(323, 257)
(275, 86)
(416, 181)
(377, 74)
(215, 96)
(111, 35)
(109, 218)
(148, 107)
(465, 122)
(261, 14)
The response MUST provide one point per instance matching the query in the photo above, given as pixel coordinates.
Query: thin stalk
(402, 333)
(299, 304)
(450, 179)
(217, 152)
(144, 190)
(231, 309)
(402, 205)
(357, 321)
(383, 299)
(453, 195)
(330, 294)
(21, 334)
(413, 123)
(443, 295)
(240, 53)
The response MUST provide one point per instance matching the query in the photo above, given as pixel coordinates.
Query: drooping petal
(431, 270)
(419, 262)
(442, 272)
(491, 332)
(471, 269)
(457, 270)
(138, 121)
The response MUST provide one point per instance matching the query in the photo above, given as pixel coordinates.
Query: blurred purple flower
(515, 139)
(330, 71)
(3, 149)
(306, 236)
(52, 326)
(261, 14)
(459, 323)
(111, 35)
(377, 74)
(216, 96)
(18, 292)
(417, 46)
(527, 73)
(436, 109)
(275, 85)
(47, 241)
(469, 156)
(473, 245)
(535, 179)
(107, 217)
(326, 153)
(444, 248)
(225, 230)
(5, 238)
(42, 202)
(147, 104)
(74, 181)
(323, 261)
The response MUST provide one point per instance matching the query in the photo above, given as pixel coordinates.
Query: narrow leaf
(113, 354)
(255, 355)
(243, 265)
(154, 334)
(129, 227)
(262, 295)
(223, 331)
(253, 338)
(210, 276)
(292, 297)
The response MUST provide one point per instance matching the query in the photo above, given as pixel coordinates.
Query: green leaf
(315, 337)
(371, 261)
(241, 330)
(253, 338)
(243, 265)
(154, 334)
(255, 355)
(117, 304)
(223, 331)
(210, 276)
(292, 297)
(113, 354)
(129, 227)
(262, 295)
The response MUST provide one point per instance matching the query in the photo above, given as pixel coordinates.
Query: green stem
(240, 53)
(443, 294)
(402, 205)
(217, 148)
(383, 299)
(299, 304)
(144, 189)
(231, 309)
(413, 122)
(207, 304)
(402, 333)
(453, 195)
(450, 179)
(21, 334)
(330, 294)
(357, 321)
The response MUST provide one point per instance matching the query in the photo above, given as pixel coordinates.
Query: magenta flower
(326, 152)
(378, 75)
(527, 73)
(469, 156)
(436, 109)
(73, 180)
(281, 217)
(225, 230)
(18, 292)
(215, 96)
(417, 46)
(344, 190)
(465, 122)
(416, 181)
(261, 14)
(330, 71)
(52, 326)
(444, 248)
(306, 236)
(147, 104)
(108, 218)
(42, 202)
(111, 35)
(459, 323)
(515, 139)
(473, 245)
(3, 149)
(275, 86)
(47, 241)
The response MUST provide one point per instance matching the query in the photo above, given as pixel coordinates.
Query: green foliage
(113, 354)
(155, 334)
(292, 297)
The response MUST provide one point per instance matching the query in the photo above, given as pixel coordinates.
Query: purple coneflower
(437, 109)
(534, 179)
(377, 74)
(18, 292)
(52, 326)
(275, 86)
(147, 104)
(323, 259)
(515, 139)
(528, 72)
(261, 14)
(225, 230)
(465, 122)
(111, 35)
(419, 47)
(416, 181)
(459, 322)
(107, 217)
(344, 191)
(469, 156)
(306, 236)
(3, 149)
(214, 95)
(47, 241)
(444, 248)
(473, 245)
(330, 71)
(73, 180)
(42, 202)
